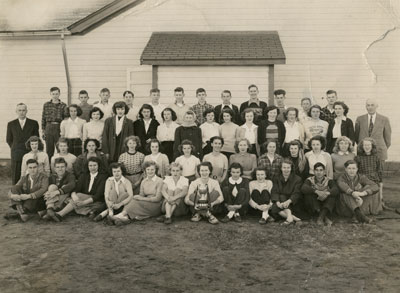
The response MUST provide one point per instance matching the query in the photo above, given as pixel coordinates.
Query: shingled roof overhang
(245, 48)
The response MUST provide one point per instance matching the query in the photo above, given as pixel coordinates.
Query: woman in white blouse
(249, 131)
(294, 129)
(35, 146)
(71, 129)
(94, 128)
(166, 132)
(174, 190)
(209, 129)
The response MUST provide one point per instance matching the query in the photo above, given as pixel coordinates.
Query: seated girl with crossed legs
(260, 195)
(117, 193)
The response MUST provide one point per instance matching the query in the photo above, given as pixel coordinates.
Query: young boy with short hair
(52, 115)
(103, 104)
(328, 112)
(254, 103)
(201, 106)
(226, 97)
(84, 105)
(179, 105)
(280, 96)
(155, 103)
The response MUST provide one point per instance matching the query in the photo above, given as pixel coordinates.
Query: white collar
(343, 118)
(22, 120)
(93, 175)
(231, 181)
(119, 120)
(373, 115)
(343, 153)
(230, 106)
(180, 104)
(122, 180)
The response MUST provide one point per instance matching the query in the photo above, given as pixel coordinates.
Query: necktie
(226, 107)
(371, 127)
(235, 191)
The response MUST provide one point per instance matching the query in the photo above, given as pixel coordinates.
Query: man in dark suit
(226, 104)
(259, 107)
(18, 132)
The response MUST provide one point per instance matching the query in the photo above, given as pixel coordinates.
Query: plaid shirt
(199, 111)
(371, 166)
(327, 115)
(52, 113)
(273, 168)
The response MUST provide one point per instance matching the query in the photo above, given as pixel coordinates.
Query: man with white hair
(18, 132)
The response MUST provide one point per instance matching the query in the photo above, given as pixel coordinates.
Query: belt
(77, 138)
(140, 172)
(54, 122)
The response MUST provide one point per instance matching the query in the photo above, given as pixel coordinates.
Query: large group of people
(121, 163)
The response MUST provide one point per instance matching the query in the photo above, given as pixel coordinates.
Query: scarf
(321, 186)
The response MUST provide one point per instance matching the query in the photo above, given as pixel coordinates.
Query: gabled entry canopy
(244, 48)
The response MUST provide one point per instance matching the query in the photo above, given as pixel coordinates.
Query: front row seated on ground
(283, 197)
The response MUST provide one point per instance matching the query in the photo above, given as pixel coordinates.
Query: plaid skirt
(74, 146)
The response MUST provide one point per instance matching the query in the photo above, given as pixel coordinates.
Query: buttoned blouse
(250, 133)
(171, 185)
(166, 132)
(72, 128)
(93, 129)
(209, 130)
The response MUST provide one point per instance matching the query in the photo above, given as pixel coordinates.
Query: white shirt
(182, 183)
(146, 125)
(167, 132)
(223, 106)
(209, 130)
(92, 177)
(373, 119)
(31, 181)
(117, 183)
(157, 112)
(188, 165)
(337, 127)
(72, 128)
(250, 132)
(118, 124)
(22, 122)
(107, 109)
(292, 131)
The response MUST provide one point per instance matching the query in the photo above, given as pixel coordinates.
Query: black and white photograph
(199, 146)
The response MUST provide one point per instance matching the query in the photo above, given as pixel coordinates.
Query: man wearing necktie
(226, 97)
(18, 132)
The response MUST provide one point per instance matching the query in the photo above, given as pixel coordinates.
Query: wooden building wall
(328, 45)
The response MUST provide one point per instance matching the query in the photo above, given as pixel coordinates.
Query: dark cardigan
(140, 131)
(346, 129)
(283, 190)
(97, 191)
(192, 133)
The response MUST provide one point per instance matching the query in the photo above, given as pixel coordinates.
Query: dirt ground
(81, 256)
